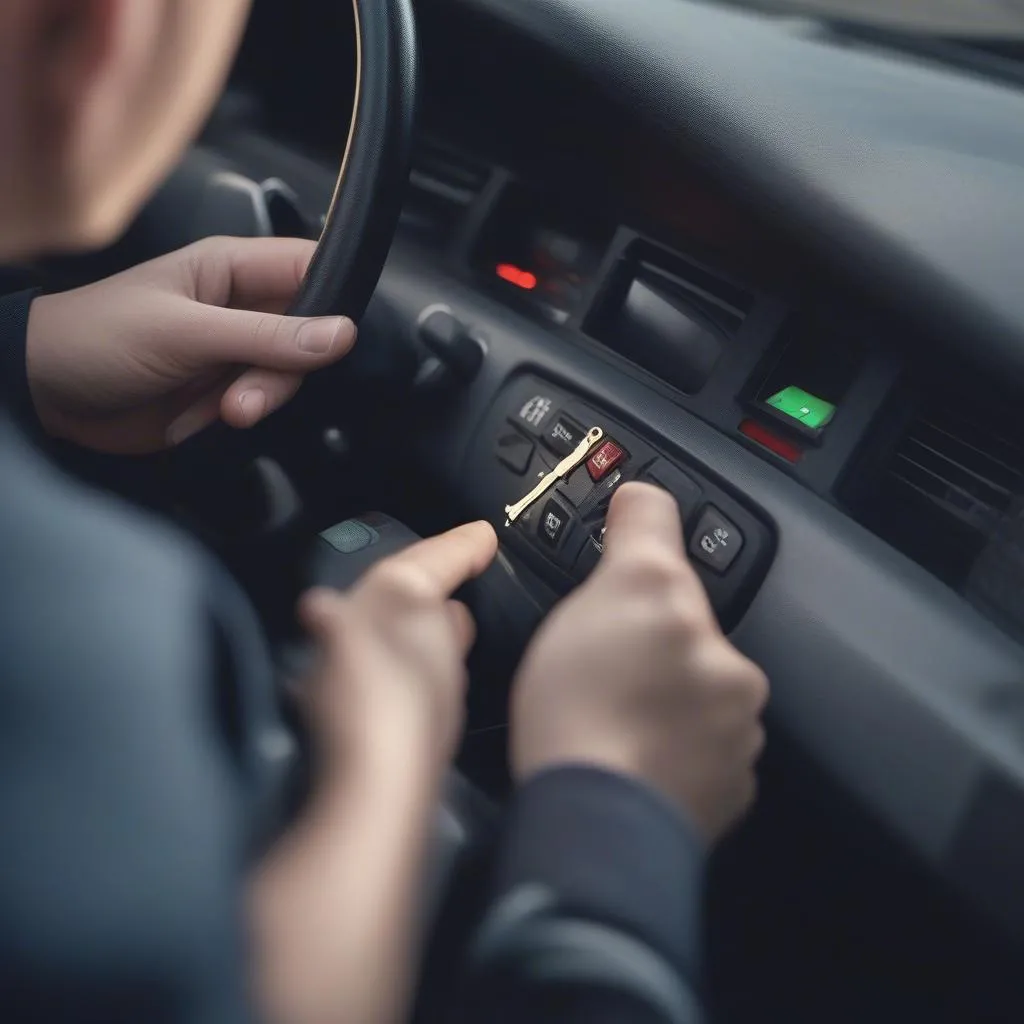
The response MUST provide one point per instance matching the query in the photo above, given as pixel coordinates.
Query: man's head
(97, 100)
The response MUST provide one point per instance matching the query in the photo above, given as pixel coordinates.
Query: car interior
(771, 263)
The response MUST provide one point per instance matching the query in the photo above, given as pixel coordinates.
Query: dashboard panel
(681, 253)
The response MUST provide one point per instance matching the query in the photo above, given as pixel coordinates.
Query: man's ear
(75, 37)
(98, 98)
(71, 42)
(73, 53)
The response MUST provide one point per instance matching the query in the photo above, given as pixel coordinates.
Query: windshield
(979, 18)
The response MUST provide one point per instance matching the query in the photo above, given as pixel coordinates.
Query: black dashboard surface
(906, 175)
(903, 177)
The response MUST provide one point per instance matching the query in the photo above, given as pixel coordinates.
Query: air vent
(442, 186)
(948, 487)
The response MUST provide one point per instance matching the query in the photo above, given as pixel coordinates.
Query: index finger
(453, 558)
(643, 512)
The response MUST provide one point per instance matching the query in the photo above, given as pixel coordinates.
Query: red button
(604, 460)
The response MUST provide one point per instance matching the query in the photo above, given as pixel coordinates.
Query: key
(594, 436)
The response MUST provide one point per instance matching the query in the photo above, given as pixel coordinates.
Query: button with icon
(717, 541)
(553, 522)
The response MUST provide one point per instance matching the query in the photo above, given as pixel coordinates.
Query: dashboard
(780, 271)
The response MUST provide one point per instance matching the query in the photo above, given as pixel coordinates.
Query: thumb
(218, 336)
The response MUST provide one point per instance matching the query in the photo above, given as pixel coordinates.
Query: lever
(455, 348)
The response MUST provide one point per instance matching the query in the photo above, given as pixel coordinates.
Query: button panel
(560, 536)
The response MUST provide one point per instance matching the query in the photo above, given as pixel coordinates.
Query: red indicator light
(767, 439)
(514, 275)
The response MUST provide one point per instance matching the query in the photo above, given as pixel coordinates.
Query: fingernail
(319, 337)
(253, 404)
(186, 425)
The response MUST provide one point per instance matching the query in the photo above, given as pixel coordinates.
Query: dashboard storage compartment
(668, 315)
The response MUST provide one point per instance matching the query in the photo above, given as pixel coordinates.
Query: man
(634, 722)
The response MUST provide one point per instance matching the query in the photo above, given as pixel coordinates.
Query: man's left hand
(142, 361)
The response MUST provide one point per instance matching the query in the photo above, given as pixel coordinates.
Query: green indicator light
(803, 406)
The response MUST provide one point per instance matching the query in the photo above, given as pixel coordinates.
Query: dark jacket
(125, 803)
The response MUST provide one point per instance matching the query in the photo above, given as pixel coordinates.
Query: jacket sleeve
(126, 761)
(14, 390)
(595, 909)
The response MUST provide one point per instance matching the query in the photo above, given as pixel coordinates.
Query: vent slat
(948, 483)
(442, 186)
(958, 504)
(996, 460)
(436, 165)
(957, 474)
(962, 462)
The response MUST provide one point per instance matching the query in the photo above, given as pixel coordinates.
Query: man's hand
(393, 649)
(335, 905)
(144, 360)
(632, 673)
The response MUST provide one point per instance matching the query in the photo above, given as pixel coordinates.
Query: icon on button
(711, 542)
(716, 542)
(536, 410)
(553, 524)
(604, 460)
(562, 433)
(564, 436)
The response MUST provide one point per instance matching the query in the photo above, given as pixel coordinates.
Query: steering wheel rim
(367, 203)
(358, 231)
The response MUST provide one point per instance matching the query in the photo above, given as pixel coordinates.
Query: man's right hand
(631, 673)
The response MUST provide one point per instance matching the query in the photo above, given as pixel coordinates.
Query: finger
(255, 395)
(198, 416)
(320, 611)
(249, 273)
(210, 335)
(451, 559)
(642, 512)
(464, 625)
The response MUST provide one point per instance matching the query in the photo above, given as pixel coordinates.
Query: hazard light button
(604, 460)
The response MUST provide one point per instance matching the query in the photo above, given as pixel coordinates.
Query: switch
(600, 497)
(577, 487)
(604, 460)
(534, 413)
(589, 556)
(515, 451)
(553, 523)
(716, 542)
(458, 351)
(564, 436)
(683, 488)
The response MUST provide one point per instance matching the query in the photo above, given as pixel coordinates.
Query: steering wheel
(342, 276)
(363, 216)
(364, 212)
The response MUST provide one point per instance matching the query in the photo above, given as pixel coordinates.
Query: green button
(803, 406)
(350, 536)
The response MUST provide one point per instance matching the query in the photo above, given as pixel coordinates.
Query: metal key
(560, 472)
